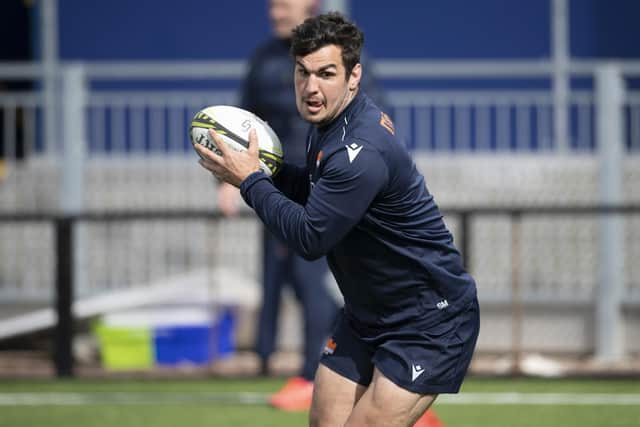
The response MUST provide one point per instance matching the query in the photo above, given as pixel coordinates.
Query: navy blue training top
(362, 202)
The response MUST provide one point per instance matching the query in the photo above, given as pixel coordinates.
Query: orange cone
(296, 395)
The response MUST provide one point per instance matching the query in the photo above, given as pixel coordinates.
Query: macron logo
(416, 371)
(353, 150)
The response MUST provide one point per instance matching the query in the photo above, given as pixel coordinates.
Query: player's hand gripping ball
(233, 125)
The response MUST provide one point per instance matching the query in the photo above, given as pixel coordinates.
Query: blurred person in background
(16, 24)
(268, 92)
(11, 150)
(411, 317)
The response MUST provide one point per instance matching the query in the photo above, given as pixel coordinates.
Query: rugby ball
(233, 125)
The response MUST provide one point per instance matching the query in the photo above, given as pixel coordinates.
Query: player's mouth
(313, 105)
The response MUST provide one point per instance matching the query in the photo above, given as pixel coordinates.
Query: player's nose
(312, 84)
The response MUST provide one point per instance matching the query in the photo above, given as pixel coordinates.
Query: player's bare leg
(334, 397)
(386, 404)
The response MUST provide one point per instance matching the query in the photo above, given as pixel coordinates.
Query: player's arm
(335, 205)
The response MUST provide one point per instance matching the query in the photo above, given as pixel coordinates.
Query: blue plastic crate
(184, 344)
(224, 330)
(196, 344)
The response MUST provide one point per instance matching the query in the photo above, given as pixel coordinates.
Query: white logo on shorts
(416, 371)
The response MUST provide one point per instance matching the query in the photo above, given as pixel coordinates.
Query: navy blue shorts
(430, 361)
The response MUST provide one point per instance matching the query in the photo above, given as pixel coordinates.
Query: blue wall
(446, 29)
(605, 29)
(440, 29)
(160, 29)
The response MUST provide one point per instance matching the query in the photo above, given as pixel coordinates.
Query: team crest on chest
(387, 123)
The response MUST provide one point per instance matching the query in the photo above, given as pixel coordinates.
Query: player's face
(285, 15)
(322, 88)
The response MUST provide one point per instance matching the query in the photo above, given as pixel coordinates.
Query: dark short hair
(329, 29)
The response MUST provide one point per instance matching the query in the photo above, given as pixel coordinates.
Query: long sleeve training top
(361, 202)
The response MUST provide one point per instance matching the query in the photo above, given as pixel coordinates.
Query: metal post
(50, 62)
(609, 99)
(73, 138)
(64, 297)
(465, 231)
(72, 245)
(517, 314)
(561, 83)
(74, 155)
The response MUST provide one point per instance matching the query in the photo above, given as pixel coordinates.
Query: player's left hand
(232, 166)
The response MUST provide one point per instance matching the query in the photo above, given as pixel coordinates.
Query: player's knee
(328, 413)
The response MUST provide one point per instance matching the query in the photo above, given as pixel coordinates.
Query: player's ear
(355, 76)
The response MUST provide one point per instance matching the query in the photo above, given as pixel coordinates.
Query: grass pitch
(224, 402)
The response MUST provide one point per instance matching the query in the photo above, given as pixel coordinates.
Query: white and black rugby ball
(233, 125)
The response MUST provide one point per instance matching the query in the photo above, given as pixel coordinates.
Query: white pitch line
(130, 398)
(539, 399)
(254, 398)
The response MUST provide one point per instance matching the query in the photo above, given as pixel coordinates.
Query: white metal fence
(454, 121)
(127, 149)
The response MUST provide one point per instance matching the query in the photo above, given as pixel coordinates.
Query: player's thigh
(386, 404)
(334, 397)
